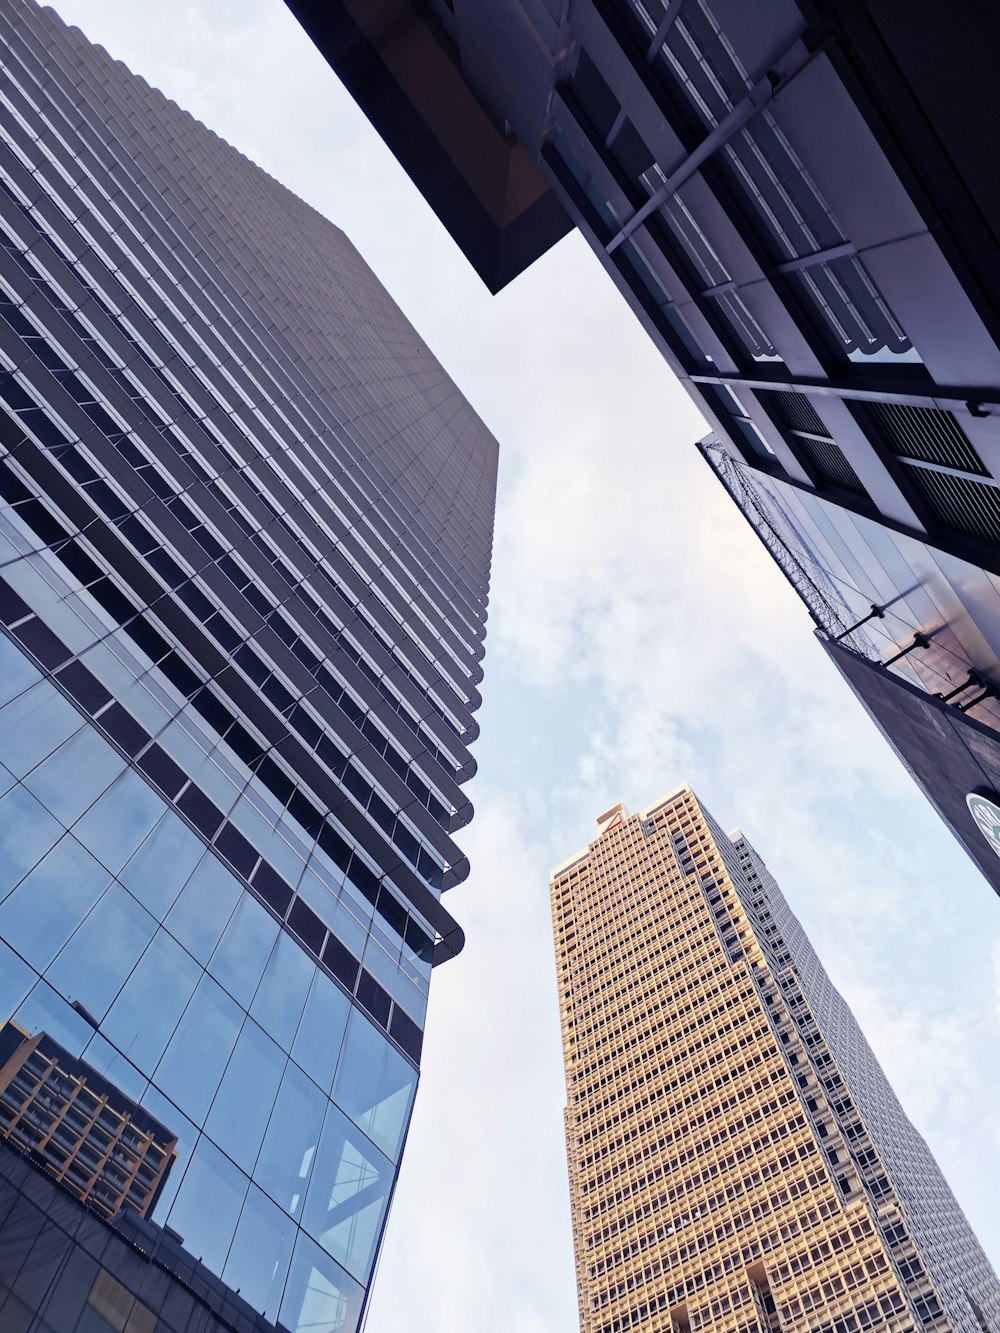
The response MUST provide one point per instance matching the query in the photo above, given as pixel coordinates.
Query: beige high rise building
(737, 1159)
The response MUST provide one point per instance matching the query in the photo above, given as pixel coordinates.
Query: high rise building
(737, 1159)
(791, 200)
(245, 527)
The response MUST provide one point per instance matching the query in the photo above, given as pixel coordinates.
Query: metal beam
(666, 23)
(788, 65)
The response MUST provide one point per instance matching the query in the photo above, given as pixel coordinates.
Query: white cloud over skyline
(639, 636)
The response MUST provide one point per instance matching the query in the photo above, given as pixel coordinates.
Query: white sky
(639, 636)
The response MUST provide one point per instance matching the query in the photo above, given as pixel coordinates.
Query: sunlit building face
(737, 1158)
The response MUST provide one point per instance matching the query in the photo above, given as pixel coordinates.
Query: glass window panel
(289, 1148)
(16, 672)
(187, 1136)
(34, 725)
(281, 995)
(374, 1084)
(162, 865)
(319, 1294)
(115, 826)
(239, 960)
(379, 963)
(192, 1065)
(321, 1031)
(241, 1109)
(72, 779)
(46, 1011)
(347, 1195)
(261, 833)
(199, 916)
(342, 918)
(258, 1260)
(93, 965)
(47, 906)
(143, 1018)
(320, 896)
(208, 1204)
(27, 831)
(16, 979)
(108, 1060)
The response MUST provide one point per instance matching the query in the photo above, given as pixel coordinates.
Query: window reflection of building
(97, 1142)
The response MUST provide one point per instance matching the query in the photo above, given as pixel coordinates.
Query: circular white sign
(987, 816)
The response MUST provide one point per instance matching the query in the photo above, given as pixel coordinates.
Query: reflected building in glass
(790, 199)
(738, 1161)
(245, 529)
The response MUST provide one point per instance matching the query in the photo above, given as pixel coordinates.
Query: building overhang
(404, 72)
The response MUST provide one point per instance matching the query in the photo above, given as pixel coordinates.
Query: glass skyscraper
(245, 528)
(737, 1159)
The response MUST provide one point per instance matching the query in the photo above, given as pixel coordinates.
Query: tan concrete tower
(737, 1159)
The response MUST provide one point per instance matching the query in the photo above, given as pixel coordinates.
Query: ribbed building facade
(245, 529)
(737, 1159)
(793, 201)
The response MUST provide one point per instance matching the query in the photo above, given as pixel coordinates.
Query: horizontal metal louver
(794, 411)
(959, 502)
(827, 461)
(928, 434)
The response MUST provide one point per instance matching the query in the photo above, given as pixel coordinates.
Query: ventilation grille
(928, 434)
(794, 411)
(826, 460)
(959, 503)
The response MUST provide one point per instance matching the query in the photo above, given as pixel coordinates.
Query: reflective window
(319, 1295)
(16, 672)
(93, 965)
(27, 830)
(239, 959)
(48, 905)
(143, 1018)
(115, 826)
(347, 1195)
(187, 1136)
(261, 1249)
(45, 1010)
(242, 1107)
(108, 1060)
(208, 1204)
(288, 1152)
(162, 865)
(72, 779)
(34, 725)
(321, 1031)
(192, 1065)
(16, 979)
(199, 916)
(374, 1084)
(281, 995)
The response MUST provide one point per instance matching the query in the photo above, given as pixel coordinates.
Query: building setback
(245, 530)
(737, 1159)
(797, 202)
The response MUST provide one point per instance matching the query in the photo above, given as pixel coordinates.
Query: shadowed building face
(793, 200)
